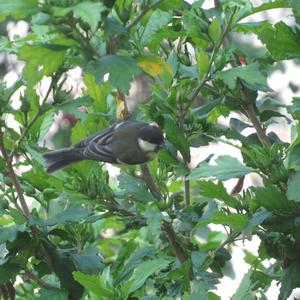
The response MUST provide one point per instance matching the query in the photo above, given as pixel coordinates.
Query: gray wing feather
(98, 147)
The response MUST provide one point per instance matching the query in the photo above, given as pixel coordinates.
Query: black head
(152, 134)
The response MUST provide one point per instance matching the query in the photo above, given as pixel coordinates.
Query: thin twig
(238, 187)
(179, 253)
(12, 175)
(33, 120)
(146, 176)
(187, 194)
(141, 15)
(29, 275)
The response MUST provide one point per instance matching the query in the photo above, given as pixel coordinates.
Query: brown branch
(12, 175)
(238, 187)
(146, 176)
(250, 113)
(29, 275)
(171, 235)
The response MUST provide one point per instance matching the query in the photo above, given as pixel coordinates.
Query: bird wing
(98, 147)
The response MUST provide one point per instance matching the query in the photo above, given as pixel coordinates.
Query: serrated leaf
(176, 137)
(203, 63)
(236, 221)
(87, 11)
(94, 284)
(293, 191)
(121, 70)
(18, 9)
(215, 30)
(154, 66)
(69, 215)
(218, 191)
(158, 20)
(281, 41)
(99, 92)
(249, 73)
(41, 62)
(272, 199)
(226, 167)
(135, 188)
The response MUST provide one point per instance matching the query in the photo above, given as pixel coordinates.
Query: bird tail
(58, 159)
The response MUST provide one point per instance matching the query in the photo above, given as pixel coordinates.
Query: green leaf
(99, 92)
(293, 191)
(144, 270)
(281, 41)
(218, 191)
(158, 20)
(8, 272)
(46, 124)
(236, 221)
(226, 167)
(87, 11)
(244, 290)
(10, 233)
(290, 279)
(249, 73)
(70, 215)
(121, 70)
(204, 111)
(135, 188)
(95, 284)
(41, 62)
(215, 30)
(89, 264)
(272, 199)
(18, 9)
(203, 63)
(54, 294)
(176, 137)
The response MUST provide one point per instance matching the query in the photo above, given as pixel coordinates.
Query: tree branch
(33, 120)
(12, 175)
(146, 176)
(29, 275)
(171, 235)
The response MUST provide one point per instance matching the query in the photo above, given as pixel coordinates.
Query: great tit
(129, 142)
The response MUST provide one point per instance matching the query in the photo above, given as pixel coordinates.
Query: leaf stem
(146, 176)
(29, 275)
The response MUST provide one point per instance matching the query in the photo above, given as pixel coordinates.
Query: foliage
(80, 233)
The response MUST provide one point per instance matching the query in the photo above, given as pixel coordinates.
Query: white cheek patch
(146, 146)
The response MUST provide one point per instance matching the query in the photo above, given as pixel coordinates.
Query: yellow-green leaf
(154, 66)
(203, 63)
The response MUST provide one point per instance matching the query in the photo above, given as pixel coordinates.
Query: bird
(129, 142)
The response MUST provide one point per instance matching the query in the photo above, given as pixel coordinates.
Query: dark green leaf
(290, 280)
(244, 290)
(135, 188)
(175, 136)
(8, 272)
(10, 233)
(89, 264)
(293, 191)
(54, 294)
(217, 190)
(250, 73)
(121, 70)
(226, 167)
